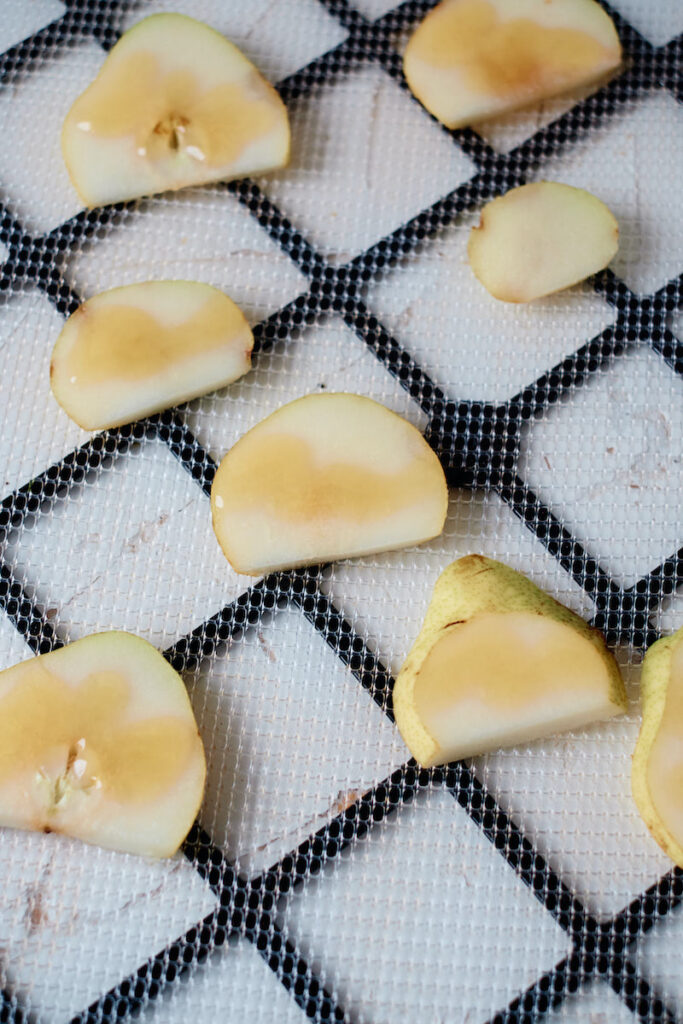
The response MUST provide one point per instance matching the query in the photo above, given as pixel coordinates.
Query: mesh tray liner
(327, 877)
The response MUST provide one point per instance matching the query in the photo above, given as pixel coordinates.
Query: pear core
(665, 764)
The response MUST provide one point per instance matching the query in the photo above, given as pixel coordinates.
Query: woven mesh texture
(327, 876)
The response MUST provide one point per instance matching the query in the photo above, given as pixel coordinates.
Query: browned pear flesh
(98, 741)
(175, 104)
(133, 351)
(470, 60)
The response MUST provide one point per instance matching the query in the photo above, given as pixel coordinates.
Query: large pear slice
(98, 741)
(541, 238)
(657, 767)
(470, 60)
(326, 477)
(134, 351)
(499, 662)
(175, 104)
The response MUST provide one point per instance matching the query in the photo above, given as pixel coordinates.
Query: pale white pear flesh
(470, 60)
(136, 350)
(657, 767)
(498, 662)
(175, 104)
(98, 741)
(326, 477)
(540, 238)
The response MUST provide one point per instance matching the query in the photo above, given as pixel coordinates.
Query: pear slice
(470, 60)
(98, 741)
(541, 238)
(499, 662)
(175, 104)
(326, 477)
(136, 350)
(657, 767)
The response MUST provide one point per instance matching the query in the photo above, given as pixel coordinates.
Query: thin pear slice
(98, 741)
(175, 104)
(136, 350)
(470, 60)
(499, 662)
(657, 767)
(326, 477)
(540, 238)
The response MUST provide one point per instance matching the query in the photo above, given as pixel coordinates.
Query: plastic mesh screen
(328, 877)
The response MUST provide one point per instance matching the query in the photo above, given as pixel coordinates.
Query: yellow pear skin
(499, 662)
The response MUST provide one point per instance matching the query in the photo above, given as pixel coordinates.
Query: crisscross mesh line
(478, 443)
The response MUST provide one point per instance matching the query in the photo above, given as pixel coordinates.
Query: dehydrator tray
(327, 877)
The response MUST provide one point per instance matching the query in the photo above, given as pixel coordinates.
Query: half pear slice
(657, 768)
(175, 104)
(326, 477)
(98, 741)
(499, 662)
(136, 350)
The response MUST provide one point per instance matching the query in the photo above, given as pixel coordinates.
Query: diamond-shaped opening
(327, 356)
(35, 181)
(571, 795)
(132, 548)
(22, 20)
(594, 1003)
(669, 615)
(373, 9)
(386, 596)
(471, 344)
(278, 37)
(632, 164)
(291, 739)
(657, 22)
(364, 160)
(234, 985)
(608, 462)
(658, 958)
(77, 919)
(422, 908)
(36, 432)
(197, 235)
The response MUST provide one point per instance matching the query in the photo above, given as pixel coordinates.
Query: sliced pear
(326, 477)
(134, 351)
(98, 741)
(175, 104)
(470, 60)
(657, 767)
(541, 238)
(499, 662)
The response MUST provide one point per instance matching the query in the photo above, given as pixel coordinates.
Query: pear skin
(472, 675)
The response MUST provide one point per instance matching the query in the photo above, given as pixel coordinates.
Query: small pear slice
(540, 238)
(98, 741)
(657, 767)
(470, 60)
(175, 104)
(326, 477)
(499, 662)
(136, 350)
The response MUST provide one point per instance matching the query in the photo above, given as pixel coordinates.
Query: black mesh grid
(477, 443)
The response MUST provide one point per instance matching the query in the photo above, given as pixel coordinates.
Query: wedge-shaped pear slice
(134, 351)
(175, 104)
(326, 477)
(98, 741)
(499, 662)
(541, 238)
(470, 60)
(657, 767)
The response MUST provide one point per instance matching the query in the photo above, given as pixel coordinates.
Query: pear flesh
(470, 60)
(136, 350)
(325, 477)
(499, 663)
(657, 767)
(174, 104)
(540, 238)
(98, 741)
